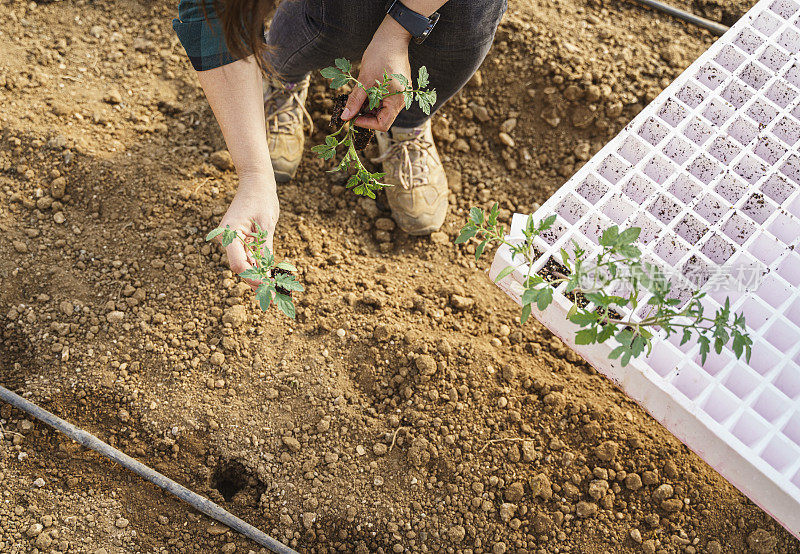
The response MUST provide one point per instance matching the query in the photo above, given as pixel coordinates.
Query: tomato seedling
(277, 280)
(601, 287)
(352, 138)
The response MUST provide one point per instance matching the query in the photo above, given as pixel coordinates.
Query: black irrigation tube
(203, 505)
(713, 26)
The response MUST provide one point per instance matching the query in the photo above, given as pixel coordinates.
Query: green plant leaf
(264, 296)
(401, 79)
(586, 336)
(505, 273)
(343, 64)
(339, 81)
(228, 236)
(609, 236)
(479, 250)
(629, 236)
(285, 304)
(422, 78)
(287, 266)
(545, 298)
(408, 97)
(476, 216)
(330, 72)
(526, 313)
(251, 273)
(466, 233)
(584, 318)
(215, 233)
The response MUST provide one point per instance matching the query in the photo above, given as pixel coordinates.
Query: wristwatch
(415, 23)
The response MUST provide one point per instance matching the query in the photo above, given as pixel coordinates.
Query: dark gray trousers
(307, 35)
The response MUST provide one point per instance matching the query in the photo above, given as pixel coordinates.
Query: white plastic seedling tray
(711, 173)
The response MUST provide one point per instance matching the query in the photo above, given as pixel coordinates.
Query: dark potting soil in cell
(279, 271)
(362, 136)
(552, 271)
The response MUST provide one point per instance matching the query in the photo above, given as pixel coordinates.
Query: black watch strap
(415, 23)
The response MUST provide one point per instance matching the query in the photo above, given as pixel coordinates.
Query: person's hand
(388, 51)
(255, 203)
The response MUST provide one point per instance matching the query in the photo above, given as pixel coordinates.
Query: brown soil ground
(405, 409)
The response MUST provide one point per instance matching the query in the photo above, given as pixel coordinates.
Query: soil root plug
(90, 441)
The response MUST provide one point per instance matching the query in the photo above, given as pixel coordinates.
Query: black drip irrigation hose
(713, 26)
(203, 505)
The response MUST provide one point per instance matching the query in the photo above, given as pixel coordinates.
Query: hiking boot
(419, 196)
(285, 111)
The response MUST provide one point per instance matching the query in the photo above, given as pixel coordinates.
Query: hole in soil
(229, 479)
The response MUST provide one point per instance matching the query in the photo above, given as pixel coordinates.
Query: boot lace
(411, 154)
(288, 103)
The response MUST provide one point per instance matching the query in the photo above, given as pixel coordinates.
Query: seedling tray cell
(711, 173)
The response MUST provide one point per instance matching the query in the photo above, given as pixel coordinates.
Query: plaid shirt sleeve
(201, 37)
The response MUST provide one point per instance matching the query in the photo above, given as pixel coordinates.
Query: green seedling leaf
(331, 72)
(466, 233)
(586, 336)
(343, 64)
(401, 79)
(287, 266)
(215, 233)
(503, 274)
(228, 236)
(422, 78)
(285, 304)
(264, 295)
(339, 81)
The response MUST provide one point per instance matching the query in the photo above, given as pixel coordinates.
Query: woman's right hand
(255, 203)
